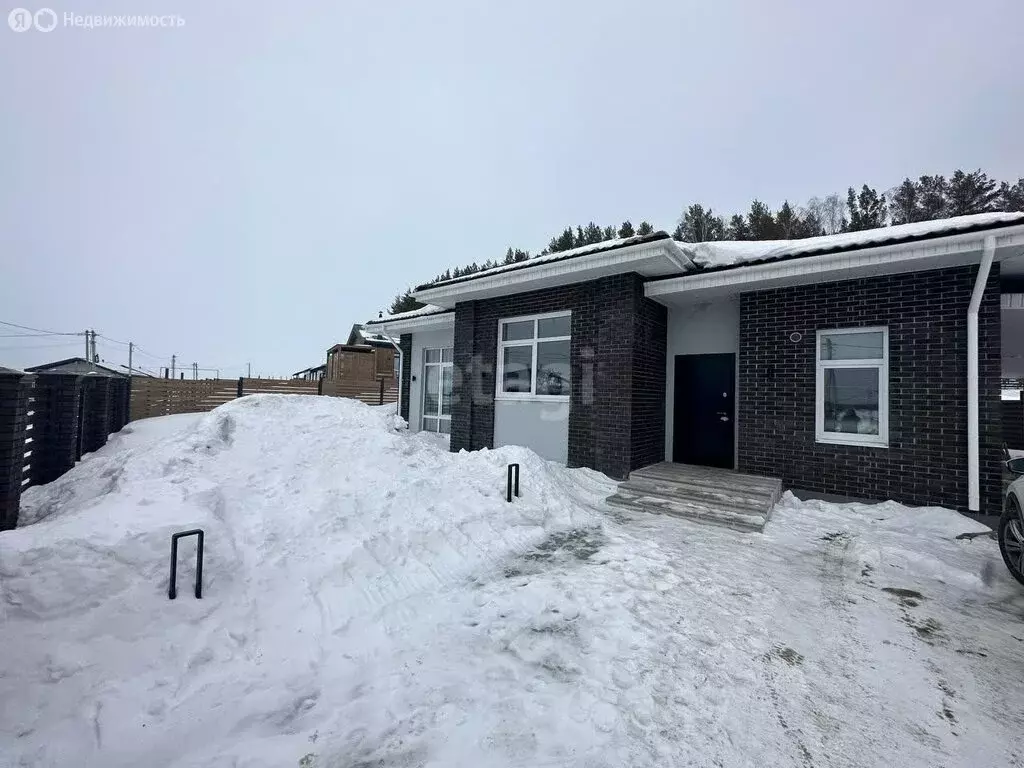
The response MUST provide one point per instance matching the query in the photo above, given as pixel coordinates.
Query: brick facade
(1013, 423)
(926, 314)
(617, 371)
(405, 344)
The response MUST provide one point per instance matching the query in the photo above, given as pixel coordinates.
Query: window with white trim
(437, 390)
(852, 404)
(533, 357)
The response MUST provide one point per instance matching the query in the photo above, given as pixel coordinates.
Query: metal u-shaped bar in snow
(172, 588)
(509, 492)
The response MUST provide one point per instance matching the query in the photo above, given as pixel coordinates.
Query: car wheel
(1011, 538)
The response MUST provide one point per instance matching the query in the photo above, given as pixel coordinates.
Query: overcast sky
(247, 186)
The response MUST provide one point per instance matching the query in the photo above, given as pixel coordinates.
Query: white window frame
(881, 440)
(502, 345)
(441, 364)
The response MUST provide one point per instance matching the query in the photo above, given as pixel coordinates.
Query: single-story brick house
(865, 364)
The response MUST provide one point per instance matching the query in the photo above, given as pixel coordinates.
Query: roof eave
(576, 269)
(435, 321)
(913, 256)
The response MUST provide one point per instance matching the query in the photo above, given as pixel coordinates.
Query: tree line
(924, 199)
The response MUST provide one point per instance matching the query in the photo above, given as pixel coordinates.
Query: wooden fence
(163, 397)
(381, 392)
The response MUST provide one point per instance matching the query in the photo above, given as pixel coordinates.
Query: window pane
(445, 426)
(431, 389)
(429, 425)
(518, 369)
(446, 355)
(851, 400)
(553, 326)
(852, 346)
(431, 355)
(446, 390)
(522, 329)
(553, 368)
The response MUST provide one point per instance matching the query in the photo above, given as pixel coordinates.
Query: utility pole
(131, 348)
(94, 355)
(174, 361)
(86, 334)
(249, 367)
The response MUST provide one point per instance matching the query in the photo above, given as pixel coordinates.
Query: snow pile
(372, 600)
(731, 253)
(329, 536)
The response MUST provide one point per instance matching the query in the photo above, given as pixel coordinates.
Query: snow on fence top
(728, 253)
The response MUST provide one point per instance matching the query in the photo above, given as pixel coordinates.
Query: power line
(43, 346)
(40, 330)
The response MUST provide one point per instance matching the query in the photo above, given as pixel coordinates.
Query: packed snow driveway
(372, 600)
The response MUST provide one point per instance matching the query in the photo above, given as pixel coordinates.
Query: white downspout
(401, 366)
(973, 441)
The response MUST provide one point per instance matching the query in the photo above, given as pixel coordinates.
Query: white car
(1011, 524)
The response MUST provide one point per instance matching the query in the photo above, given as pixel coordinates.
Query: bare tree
(831, 216)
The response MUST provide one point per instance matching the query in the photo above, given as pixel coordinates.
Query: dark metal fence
(47, 421)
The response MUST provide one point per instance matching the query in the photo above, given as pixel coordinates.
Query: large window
(437, 390)
(853, 386)
(533, 357)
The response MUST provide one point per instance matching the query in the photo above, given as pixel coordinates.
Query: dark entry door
(705, 410)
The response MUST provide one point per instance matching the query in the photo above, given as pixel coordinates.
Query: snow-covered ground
(372, 600)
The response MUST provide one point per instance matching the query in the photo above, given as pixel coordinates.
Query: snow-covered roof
(372, 336)
(727, 253)
(4, 369)
(606, 245)
(429, 309)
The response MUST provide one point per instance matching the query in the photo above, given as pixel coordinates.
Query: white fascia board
(809, 269)
(413, 324)
(545, 274)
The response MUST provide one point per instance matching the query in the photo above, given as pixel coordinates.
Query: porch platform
(703, 494)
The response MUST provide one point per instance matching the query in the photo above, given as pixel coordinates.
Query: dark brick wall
(650, 343)
(926, 461)
(55, 425)
(405, 344)
(617, 369)
(14, 389)
(95, 412)
(1013, 423)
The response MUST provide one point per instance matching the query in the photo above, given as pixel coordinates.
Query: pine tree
(867, 210)
(905, 206)
(761, 222)
(626, 230)
(610, 233)
(933, 197)
(580, 238)
(738, 228)
(645, 228)
(787, 223)
(699, 226)
(1011, 198)
(510, 256)
(404, 302)
(592, 234)
(810, 225)
(971, 193)
(563, 242)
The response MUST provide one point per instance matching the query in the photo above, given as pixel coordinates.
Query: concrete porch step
(702, 494)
